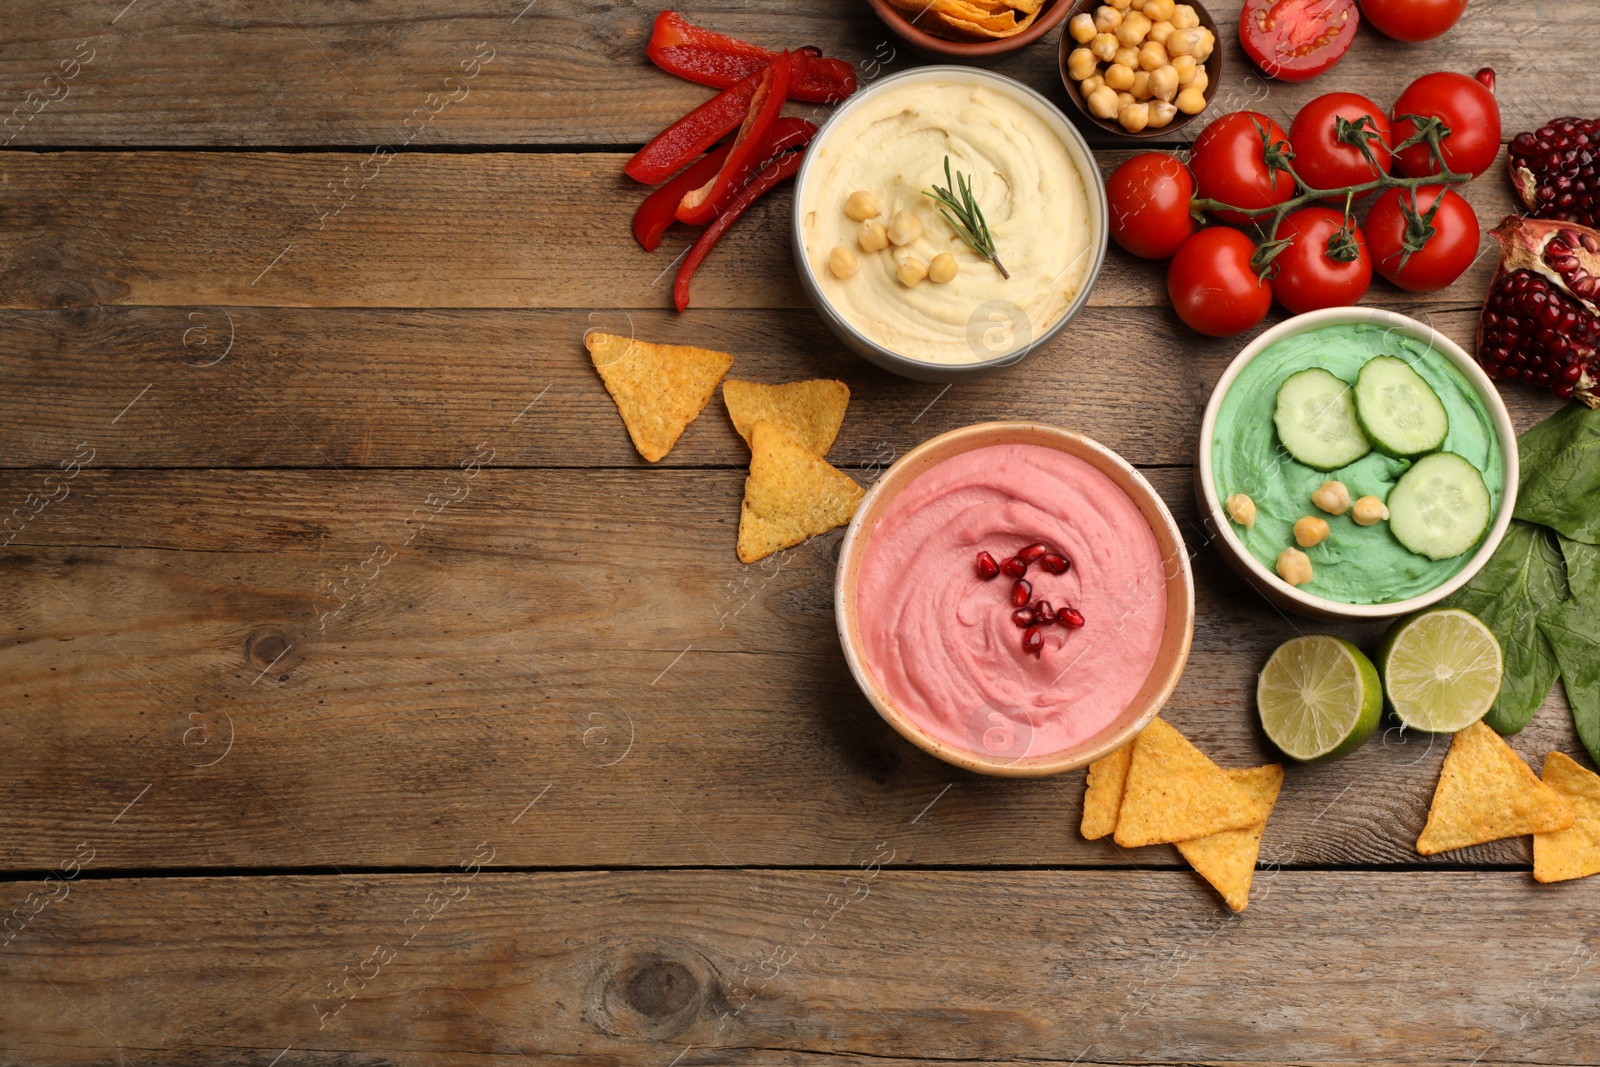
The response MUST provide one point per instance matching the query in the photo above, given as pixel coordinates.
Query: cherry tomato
(1467, 106)
(1149, 200)
(1213, 286)
(1229, 163)
(1444, 256)
(1312, 270)
(1323, 157)
(1293, 40)
(1412, 20)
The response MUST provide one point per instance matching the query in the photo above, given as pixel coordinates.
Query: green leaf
(1561, 473)
(1574, 632)
(1524, 578)
(1583, 571)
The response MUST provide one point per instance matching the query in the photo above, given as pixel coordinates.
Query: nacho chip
(811, 411)
(1228, 860)
(1102, 794)
(658, 389)
(1574, 852)
(1486, 793)
(790, 495)
(1174, 793)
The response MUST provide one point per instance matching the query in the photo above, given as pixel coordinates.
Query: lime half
(1319, 698)
(1441, 670)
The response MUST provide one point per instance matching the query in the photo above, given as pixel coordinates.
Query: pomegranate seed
(1033, 640)
(1023, 617)
(1070, 617)
(987, 567)
(1033, 552)
(1054, 563)
(1044, 613)
(1555, 174)
(1021, 593)
(1012, 567)
(1539, 323)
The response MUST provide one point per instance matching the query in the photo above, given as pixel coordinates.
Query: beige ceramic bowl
(1171, 656)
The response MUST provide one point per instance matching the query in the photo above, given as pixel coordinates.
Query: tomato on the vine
(1412, 20)
(1440, 249)
(1326, 135)
(1148, 197)
(1325, 263)
(1293, 40)
(1232, 163)
(1465, 105)
(1214, 287)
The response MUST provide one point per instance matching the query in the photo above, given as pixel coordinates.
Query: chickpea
(1152, 56)
(1082, 64)
(861, 205)
(1159, 10)
(904, 228)
(1191, 101)
(1161, 113)
(943, 268)
(1184, 17)
(1141, 85)
(1294, 566)
(1135, 27)
(1082, 28)
(1310, 530)
(1181, 42)
(1134, 117)
(1089, 85)
(911, 271)
(1120, 5)
(842, 262)
(874, 236)
(1160, 31)
(1332, 497)
(1103, 102)
(1369, 511)
(1205, 46)
(1164, 83)
(1125, 100)
(1242, 510)
(1104, 47)
(1185, 66)
(1201, 80)
(1118, 76)
(1128, 57)
(1107, 19)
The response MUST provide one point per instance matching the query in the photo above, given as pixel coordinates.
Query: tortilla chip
(944, 24)
(1027, 7)
(1228, 860)
(1486, 793)
(790, 495)
(811, 411)
(1174, 793)
(1574, 852)
(658, 389)
(1102, 794)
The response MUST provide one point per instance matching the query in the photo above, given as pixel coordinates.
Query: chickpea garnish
(1294, 566)
(1369, 511)
(1242, 510)
(904, 228)
(842, 262)
(1310, 530)
(943, 268)
(861, 205)
(1332, 497)
(911, 271)
(874, 236)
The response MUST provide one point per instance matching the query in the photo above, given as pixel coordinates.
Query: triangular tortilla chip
(1228, 860)
(1574, 852)
(659, 389)
(1174, 793)
(811, 411)
(1102, 793)
(790, 495)
(1485, 793)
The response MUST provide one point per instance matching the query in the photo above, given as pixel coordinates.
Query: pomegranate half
(1541, 321)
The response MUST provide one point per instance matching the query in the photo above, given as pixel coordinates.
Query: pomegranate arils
(1012, 567)
(1033, 640)
(1023, 617)
(1540, 322)
(1033, 552)
(987, 567)
(1556, 171)
(1021, 593)
(1054, 563)
(1070, 617)
(1044, 613)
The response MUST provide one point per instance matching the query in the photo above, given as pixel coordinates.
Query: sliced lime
(1441, 670)
(1319, 698)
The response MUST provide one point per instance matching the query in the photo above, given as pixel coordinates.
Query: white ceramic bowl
(1267, 582)
(1094, 193)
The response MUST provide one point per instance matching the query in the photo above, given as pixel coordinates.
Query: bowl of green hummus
(1354, 463)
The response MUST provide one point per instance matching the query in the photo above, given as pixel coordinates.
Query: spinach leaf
(1583, 571)
(1522, 579)
(1561, 473)
(1574, 633)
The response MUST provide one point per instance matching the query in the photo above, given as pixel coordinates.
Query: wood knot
(653, 991)
(266, 649)
(659, 987)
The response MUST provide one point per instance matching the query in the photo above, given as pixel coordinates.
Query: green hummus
(1356, 564)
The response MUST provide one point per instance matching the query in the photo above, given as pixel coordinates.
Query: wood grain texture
(485, 230)
(586, 631)
(850, 966)
(298, 72)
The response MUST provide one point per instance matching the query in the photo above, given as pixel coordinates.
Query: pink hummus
(941, 641)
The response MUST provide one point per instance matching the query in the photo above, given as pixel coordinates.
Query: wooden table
(343, 763)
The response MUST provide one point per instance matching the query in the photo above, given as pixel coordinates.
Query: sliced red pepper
(777, 170)
(715, 59)
(749, 144)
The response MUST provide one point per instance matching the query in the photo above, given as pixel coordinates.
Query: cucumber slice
(1401, 415)
(1316, 419)
(1440, 507)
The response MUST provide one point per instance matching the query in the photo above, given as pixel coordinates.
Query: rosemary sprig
(962, 212)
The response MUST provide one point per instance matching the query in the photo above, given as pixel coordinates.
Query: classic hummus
(894, 145)
(941, 641)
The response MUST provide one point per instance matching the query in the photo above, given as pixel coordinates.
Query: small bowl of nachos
(970, 31)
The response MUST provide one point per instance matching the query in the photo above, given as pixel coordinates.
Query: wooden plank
(489, 230)
(253, 387)
(295, 72)
(850, 966)
(185, 642)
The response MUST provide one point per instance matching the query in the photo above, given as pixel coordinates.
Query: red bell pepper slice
(715, 59)
(777, 170)
(749, 147)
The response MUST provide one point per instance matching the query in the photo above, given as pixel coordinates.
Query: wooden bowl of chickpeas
(1140, 68)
